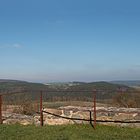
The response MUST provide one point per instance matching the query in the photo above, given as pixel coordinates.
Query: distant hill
(127, 83)
(63, 91)
(8, 80)
(10, 86)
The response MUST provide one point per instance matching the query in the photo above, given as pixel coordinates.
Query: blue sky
(70, 40)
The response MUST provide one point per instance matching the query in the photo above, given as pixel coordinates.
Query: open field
(69, 132)
(72, 103)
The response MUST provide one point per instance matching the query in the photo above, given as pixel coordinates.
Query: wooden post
(90, 116)
(41, 109)
(1, 109)
(94, 109)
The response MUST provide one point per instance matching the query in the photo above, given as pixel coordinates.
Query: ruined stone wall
(103, 113)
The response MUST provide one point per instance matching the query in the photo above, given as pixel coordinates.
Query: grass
(68, 132)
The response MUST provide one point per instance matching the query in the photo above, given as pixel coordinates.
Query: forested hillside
(75, 90)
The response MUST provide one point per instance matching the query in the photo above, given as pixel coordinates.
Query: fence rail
(90, 120)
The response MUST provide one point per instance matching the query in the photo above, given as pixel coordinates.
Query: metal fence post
(94, 92)
(41, 109)
(1, 109)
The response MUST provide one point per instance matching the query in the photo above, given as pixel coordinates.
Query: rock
(123, 116)
(76, 115)
(137, 116)
(57, 121)
(103, 113)
(55, 111)
(66, 112)
(11, 121)
(26, 122)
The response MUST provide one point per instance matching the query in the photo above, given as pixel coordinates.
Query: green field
(69, 132)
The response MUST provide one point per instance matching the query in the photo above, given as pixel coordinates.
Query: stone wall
(103, 113)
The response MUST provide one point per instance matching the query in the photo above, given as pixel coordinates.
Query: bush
(28, 108)
(127, 100)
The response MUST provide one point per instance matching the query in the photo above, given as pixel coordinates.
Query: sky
(69, 40)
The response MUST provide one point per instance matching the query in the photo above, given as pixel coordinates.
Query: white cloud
(15, 45)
